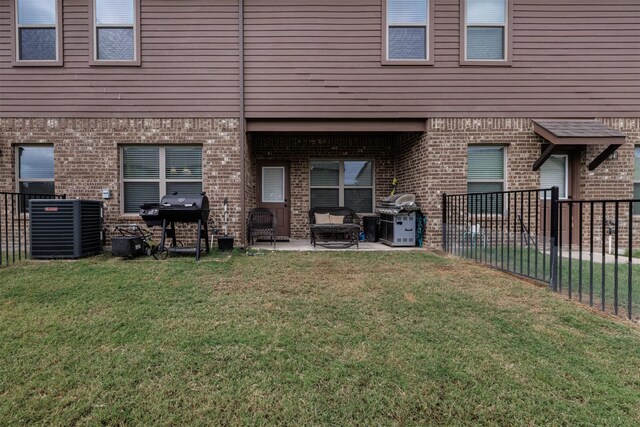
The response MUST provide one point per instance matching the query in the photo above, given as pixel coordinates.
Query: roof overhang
(575, 134)
(336, 125)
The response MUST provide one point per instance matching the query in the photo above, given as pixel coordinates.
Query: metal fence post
(444, 222)
(554, 233)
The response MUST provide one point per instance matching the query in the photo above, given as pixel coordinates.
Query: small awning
(575, 134)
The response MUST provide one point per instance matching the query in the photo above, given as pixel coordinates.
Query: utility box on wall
(65, 228)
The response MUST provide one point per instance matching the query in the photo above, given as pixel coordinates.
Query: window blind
(37, 44)
(407, 12)
(273, 184)
(553, 173)
(37, 12)
(138, 193)
(114, 12)
(407, 42)
(183, 162)
(485, 163)
(485, 42)
(325, 173)
(141, 162)
(486, 12)
(115, 44)
(358, 199)
(325, 197)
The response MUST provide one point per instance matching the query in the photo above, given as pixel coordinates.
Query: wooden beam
(603, 156)
(543, 157)
(338, 125)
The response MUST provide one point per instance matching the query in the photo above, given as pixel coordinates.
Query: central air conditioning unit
(65, 228)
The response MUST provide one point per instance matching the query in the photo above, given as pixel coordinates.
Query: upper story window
(38, 32)
(115, 32)
(485, 31)
(408, 31)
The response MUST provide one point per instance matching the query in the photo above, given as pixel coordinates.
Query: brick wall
(436, 162)
(87, 156)
(299, 149)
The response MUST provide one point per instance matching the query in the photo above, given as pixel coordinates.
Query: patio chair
(261, 223)
(343, 234)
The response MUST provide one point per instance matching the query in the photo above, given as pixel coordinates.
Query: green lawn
(327, 338)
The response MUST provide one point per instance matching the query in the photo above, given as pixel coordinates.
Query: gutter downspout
(242, 124)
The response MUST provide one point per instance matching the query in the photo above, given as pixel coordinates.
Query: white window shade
(272, 184)
(485, 163)
(37, 12)
(407, 12)
(553, 173)
(486, 12)
(114, 12)
(141, 162)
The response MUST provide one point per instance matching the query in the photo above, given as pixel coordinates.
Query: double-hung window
(34, 172)
(486, 174)
(485, 31)
(115, 32)
(342, 183)
(636, 180)
(407, 30)
(150, 172)
(38, 32)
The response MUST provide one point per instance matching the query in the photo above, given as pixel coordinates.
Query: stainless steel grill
(398, 220)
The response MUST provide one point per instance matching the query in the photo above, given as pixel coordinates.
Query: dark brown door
(273, 194)
(563, 171)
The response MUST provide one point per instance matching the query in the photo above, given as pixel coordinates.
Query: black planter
(225, 243)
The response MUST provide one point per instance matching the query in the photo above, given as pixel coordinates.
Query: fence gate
(583, 249)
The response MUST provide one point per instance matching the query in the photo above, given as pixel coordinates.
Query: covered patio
(303, 245)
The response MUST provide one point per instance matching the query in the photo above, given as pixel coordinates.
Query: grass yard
(327, 338)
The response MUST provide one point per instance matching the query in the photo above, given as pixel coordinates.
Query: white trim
(566, 177)
(283, 185)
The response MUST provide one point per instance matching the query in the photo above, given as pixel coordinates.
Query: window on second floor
(407, 30)
(485, 31)
(115, 32)
(38, 32)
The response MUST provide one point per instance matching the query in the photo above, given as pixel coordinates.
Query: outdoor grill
(398, 220)
(176, 208)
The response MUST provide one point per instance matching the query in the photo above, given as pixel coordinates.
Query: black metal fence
(584, 249)
(14, 225)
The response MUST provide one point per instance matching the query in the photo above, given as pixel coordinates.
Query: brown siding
(189, 67)
(322, 59)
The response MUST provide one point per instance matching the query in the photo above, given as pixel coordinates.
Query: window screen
(485, 31)
(36, 23)
(115, 30)
(407, 25)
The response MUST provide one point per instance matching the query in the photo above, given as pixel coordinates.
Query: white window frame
(505, 41)
(428, 28)
(20, 180)
(283, 184)
(503, 181)
(94, 37)
(162, 178)
(15, 60)
(341, 186)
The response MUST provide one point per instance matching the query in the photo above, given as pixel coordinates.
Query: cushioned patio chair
(341, 225)
(261, 223)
